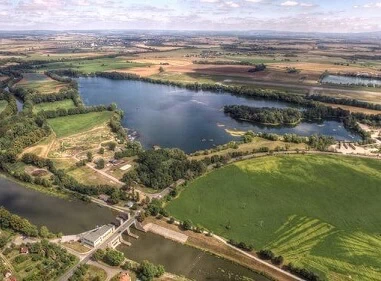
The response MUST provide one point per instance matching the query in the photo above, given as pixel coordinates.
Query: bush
(266, 254)
(187, 225)
(277, 260)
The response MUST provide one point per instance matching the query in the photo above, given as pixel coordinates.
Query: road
(102, 246)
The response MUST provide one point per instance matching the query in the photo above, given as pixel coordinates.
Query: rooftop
(95, 234)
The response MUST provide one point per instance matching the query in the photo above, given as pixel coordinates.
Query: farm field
(64, 104)
(74, 124)
(94, 65)
(3, 105)
(319, 212)
(40, 83)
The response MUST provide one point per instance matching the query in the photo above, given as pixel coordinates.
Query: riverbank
(218, 248)
(52, 191)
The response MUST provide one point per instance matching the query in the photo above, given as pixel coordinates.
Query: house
(129, 204)
(124, 277)
(104, 197)
(124, 216)
(97, 236)
(24, 250)
(7, 274)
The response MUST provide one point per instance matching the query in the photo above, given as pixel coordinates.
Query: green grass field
(74, 124)
(64, 104)
(3, 105)
(320, 212)
(90, 66)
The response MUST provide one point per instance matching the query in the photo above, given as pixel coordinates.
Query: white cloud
(290, 3)
(231, 4)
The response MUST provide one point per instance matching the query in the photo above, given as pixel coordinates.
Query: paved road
(103, 246)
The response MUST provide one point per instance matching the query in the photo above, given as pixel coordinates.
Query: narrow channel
(184, 260)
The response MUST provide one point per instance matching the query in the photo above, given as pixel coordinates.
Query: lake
(184, 260)
(349, 80)
(59, 215)
(169, 116)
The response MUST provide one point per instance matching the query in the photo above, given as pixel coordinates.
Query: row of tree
(11, 107)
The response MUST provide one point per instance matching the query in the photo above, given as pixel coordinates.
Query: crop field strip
(289, 204)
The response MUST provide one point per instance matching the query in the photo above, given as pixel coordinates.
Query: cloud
(290, 3)
(293, 15)
(369, 5)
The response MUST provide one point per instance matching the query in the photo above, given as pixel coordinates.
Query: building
(97, 236)
(104, 197)
(24, 250)
(124, 277)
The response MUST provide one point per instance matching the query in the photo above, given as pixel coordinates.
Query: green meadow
(74, 124)
(318, 212)
(95, 65)
(63, 104)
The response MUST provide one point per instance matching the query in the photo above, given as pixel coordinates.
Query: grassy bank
(74, 124)
(63, 104)
(319, 212)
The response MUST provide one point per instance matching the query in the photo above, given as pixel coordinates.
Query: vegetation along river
(185, 260)
(169, 116)
(59, 215)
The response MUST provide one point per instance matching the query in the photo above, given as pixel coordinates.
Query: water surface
(59, 215)
(174, 117)
(184, 260)
(349, 80)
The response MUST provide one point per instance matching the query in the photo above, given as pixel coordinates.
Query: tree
(44, 232)
(113, 257)
(89, 156)
(187, 225)
(98, 255)
(101, 150)
(111, 145)
(100, 164)
(148, 271)
(161, 69)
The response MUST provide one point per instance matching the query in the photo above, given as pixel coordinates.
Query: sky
(219, 15)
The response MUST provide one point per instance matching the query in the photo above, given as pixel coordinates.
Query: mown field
(63, 104)
(74, 124)
(3, 105)
(319, 212)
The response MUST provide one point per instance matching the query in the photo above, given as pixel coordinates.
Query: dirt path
(103, 173)
(167, 233)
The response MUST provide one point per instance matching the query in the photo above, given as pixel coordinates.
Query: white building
(97, 236)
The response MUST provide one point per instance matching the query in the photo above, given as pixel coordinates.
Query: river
(350, 80)
(185, 260)
(59, 215)
(169, 116)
